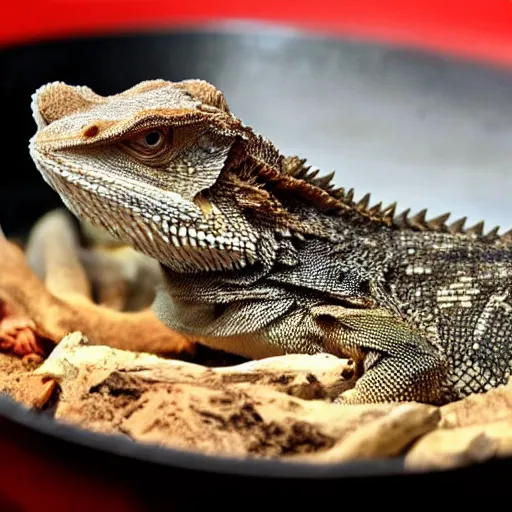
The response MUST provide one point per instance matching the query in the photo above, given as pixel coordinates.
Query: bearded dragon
(262, 257)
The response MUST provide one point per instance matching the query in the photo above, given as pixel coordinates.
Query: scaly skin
(261, 257)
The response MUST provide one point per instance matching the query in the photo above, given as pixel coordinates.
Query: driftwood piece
(52, 253)
(385, 437)
(450, 448)
(122, 278)
(471, 430)
(261, 408)
(62, 302)
(306, 376)
(276, 407)
(479, 409)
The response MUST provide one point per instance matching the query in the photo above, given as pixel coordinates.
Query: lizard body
(263, 257)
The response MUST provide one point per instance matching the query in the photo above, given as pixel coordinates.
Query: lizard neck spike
(294, 166)
(363, 203)
(389, 211)
(492, 235)
(477, 229)
(375, 210)
(439, 223)
(311, 176)
(324, 181)
(401, 220)
(349, 197)
(338, 193)
(507, 236)
(387, 214)
(457, 226)
(419, 221)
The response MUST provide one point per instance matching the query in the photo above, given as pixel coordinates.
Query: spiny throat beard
(167, 230)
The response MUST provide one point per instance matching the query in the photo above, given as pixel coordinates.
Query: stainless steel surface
(425, 130)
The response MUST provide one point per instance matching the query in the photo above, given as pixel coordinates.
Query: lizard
(262, 256)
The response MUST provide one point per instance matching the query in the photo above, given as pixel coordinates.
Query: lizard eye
(151, 146)
(152, 139)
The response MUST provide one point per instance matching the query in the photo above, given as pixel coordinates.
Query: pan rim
(16, 413)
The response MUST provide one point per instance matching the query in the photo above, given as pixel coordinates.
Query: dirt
(18, 381)
(192, 417)
(281, 407)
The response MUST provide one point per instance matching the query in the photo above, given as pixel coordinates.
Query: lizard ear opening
(204, 92)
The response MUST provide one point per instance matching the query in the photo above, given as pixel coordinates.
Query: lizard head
(143, 164)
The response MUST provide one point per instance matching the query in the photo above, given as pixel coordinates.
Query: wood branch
(306, 376)
(471, 430)
(276, 407)
(123, 279)
(52, 251)
(450, 448)
(479, 409)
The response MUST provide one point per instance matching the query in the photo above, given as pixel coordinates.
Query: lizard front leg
(399, 362)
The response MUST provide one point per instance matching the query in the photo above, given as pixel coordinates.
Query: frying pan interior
(422, 129)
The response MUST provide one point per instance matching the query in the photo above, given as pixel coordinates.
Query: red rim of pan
(462, 27)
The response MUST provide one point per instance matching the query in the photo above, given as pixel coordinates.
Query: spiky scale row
(324, 181)
(350, 196)
(404, 220)
(457, 226)
(438, 224)
(507, 236)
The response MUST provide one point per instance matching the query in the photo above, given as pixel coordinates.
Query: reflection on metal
(424, 130)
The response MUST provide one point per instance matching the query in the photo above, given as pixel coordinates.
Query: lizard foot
(398, 363)
(388, 381)
(18, 336)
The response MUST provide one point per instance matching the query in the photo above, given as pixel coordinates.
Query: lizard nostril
(91, 131)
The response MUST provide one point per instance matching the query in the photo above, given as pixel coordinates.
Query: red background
(480, 28)
(475, 28)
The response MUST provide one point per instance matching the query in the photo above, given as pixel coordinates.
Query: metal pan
(423, 129)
